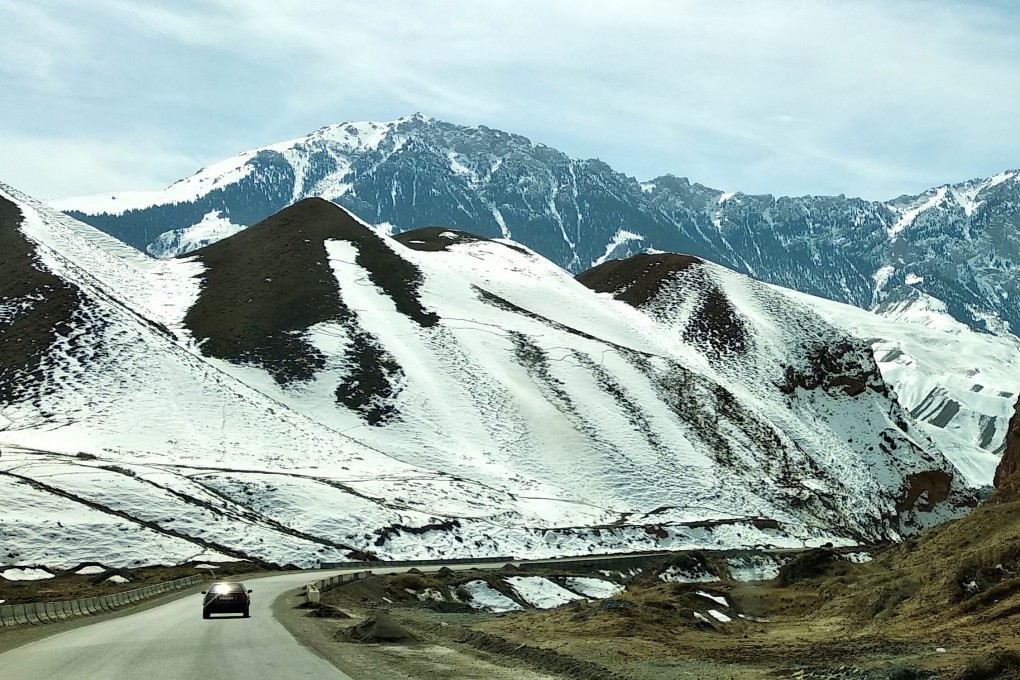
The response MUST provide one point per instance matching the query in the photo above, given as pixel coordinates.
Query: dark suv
(226, 596)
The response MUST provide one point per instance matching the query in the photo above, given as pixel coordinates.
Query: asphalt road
(173, 642)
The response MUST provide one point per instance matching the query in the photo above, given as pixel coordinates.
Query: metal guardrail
(412, 563)
(40, 613)
(313, 589)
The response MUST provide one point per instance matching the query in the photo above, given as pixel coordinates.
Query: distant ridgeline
(958, 244)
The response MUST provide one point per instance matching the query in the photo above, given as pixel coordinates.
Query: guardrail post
(76, 607)
(67, 610)
(34, 614)
(7, 616)
(21, 615)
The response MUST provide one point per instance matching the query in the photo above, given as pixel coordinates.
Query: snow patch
(213, 227)
(25, 574)
(676, 575)
(750, 568)
(908, 216)
(540, 592)
(718, 599)
(92, 569)
(621, 238)
(719, 616)
(594, 588)
(487, 598)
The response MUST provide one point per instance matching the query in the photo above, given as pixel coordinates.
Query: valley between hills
(835, 486)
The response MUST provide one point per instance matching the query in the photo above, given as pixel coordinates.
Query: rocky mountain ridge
(959, 243)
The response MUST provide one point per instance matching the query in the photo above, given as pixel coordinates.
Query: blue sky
(873, 99)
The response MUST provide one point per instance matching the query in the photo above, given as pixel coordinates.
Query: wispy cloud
(790, 96)
(56, 167)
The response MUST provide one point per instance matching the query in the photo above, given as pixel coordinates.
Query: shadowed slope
(645, 280)
(36, 309)
(637, 279)
(264, 287)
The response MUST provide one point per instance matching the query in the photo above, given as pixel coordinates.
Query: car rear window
(227, 588)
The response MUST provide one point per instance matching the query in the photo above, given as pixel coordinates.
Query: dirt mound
(811, 564)
(960, 576)
(378, 628)
(321, 610)
(1000, 665)
(538, 657)
(638, 279)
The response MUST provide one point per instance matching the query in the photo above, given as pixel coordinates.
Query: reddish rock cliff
(1007, 475)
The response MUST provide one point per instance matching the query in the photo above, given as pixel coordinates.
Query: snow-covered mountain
(310, 389)
(957, 243)
(960, 385)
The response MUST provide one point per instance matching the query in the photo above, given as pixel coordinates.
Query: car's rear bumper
(225, 607)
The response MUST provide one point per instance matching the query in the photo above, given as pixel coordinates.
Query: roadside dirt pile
(538, 657)
(377, 628)
(1001, 665)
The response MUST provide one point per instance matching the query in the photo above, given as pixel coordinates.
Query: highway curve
(173, 642)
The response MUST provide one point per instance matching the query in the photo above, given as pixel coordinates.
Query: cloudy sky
(867, 98)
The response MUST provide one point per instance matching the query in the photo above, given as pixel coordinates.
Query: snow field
(516, 434)
(944, 373)
(37, 527)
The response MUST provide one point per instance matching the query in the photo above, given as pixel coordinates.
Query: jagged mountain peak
(417, 171)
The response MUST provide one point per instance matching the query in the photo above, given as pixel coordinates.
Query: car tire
(205, 615)
(246, 614)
